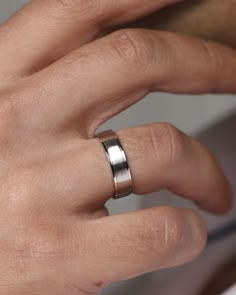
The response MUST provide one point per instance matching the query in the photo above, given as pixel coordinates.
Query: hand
(58, 84)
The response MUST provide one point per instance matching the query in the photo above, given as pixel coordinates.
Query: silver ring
(118, 162)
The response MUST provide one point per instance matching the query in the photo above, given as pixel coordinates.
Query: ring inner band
(118, 162)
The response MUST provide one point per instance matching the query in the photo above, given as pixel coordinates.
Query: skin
(59, 83)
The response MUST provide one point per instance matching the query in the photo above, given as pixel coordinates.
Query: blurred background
(193, 115)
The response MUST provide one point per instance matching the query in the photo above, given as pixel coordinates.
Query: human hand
(58, 84)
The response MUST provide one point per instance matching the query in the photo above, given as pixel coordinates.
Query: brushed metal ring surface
(118, 162)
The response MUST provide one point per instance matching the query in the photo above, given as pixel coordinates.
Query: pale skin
(59, 83)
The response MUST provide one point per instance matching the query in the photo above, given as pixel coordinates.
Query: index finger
(43, 30)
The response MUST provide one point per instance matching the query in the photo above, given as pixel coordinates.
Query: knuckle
(39, 240)
(133, 46)
(156, 235)
(24, 178)
(214, 56)
(167, 142)
(79, 4)
(26, 181)
(173, 224)
(145, 235)
(77, 7)
(9, 110)
(10, 121)
(65, 3)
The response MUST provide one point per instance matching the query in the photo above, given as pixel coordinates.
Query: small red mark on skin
(99, 285)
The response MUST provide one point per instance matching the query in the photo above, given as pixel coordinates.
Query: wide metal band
(118, 162)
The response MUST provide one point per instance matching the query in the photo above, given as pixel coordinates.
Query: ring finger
(160, 157)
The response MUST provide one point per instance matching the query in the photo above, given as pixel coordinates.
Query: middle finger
(103, 78)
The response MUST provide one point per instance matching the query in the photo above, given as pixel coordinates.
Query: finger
(124, 246)
(128, 64)
(46, 30)
(160, 156)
